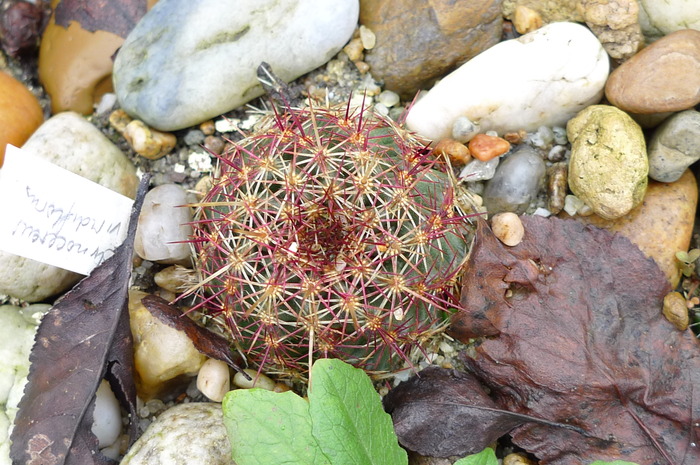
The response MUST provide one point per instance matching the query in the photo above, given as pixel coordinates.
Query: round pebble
(194, 137)
(676, 310)
(516, 183)
(464, 129)
(148, 142)
(214, 380)
(388, 98)
(258, 380)
(485, 147)
(457, 152)
(369, 40)
(107, 418)
(508, 228)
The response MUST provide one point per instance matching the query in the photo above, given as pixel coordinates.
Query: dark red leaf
(116, 16)
(429, 408)
(581, 340)
(210, 344)
(20, 27)
(84, 338)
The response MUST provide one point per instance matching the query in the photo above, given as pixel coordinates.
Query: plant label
(57, 217)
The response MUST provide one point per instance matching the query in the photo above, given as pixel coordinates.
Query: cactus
(329, 233)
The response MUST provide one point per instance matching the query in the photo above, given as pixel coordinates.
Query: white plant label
(56, 217)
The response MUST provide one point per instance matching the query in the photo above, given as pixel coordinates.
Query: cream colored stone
(258, 380)
(162, 355)
(147, 142)
(608, 167)
(661, 225)
(508, 228)
(214, 380)
(676, 310)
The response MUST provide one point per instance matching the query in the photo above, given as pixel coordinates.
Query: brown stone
(663, 223)
(457, 152)
(665, 76)
(676, 310)
(418, 41)
(484, 147)
(20, 113)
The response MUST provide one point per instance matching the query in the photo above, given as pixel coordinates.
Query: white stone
(71, 142)
(214, 380)
(107, 417)
(540, 79)
(163, 226)
(661, 17)
(186, 434)
(186, 62)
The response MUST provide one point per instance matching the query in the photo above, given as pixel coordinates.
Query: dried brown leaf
(116, 16)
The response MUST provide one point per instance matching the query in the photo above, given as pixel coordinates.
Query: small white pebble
(388, 98)
(381, 109)
(227, 125)
(214, 379)
(542, 212)
(107, 418)
(572, 204)
(257, 380)
(508, 228)
(464, 129)
(369, 40)
(199, 161)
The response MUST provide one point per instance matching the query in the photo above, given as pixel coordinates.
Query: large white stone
(540, 79)
(192, 434)
(71, 142)
(187, 61)
(661, 17)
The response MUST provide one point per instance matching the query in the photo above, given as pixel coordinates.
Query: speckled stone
(674, 146)
(608, 167)
(186, 434)
(661, 225)
(460, 30)
(665, 76)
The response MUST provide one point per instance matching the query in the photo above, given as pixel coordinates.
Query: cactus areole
(329, 233)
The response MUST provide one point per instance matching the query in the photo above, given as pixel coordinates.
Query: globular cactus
(329, 233)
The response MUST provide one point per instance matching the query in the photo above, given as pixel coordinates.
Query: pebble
(485, 147)
(163, 356)
(674, 146)
(477, 170)
(258, 380)
(615, 23)
(665, 76)
(459, 30)
(517, 182)
(148, 142)
(676, 310)
(71, 142)
(75, 63)
(508, 228)
(572, 205)
(107, 417)
(173, 73)
(557, 182)
(214, 144)
(457, 152)
(214, 380)
(368, 37)
(194, 137)
(388, 98)
(524, 67)
(608, 167)
(175, 278)
(542, 138)
(464, 129)
(163, 226)
(661, 225)
(191, 433)
(20, 113)
(661, 17)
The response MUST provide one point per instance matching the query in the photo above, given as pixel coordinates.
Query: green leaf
(693, 255)
(348, 420)
(615, 462)
(485, 457)
(265, 427)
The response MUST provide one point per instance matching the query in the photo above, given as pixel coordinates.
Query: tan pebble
(676, 310)
(214, 144)
(281, 387)
(214, 379)
(457, 152)
(508, 228)
(20, 113)
(484, 147)
(556, 187)
(119, 119)
(661, 225)
(369, 40)
(175, 278)
(517, 459)
(147, 142)
(257, 380)
(515, 137)
(208, 127)
(361, 66)
(354, 50)
(526, 19)
(203, 186)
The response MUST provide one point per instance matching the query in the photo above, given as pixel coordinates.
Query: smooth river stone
(665, 76)
(661, 225)
(661, 17)
(186, 61)
(20, 113)
(675, 146)
(517, 181)
(71, 142)
(608, 167)
(540, 79)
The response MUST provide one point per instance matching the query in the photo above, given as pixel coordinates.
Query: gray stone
(540, 79)
(71, 142)
(186, 61)
(186, 434)
(517, 181)
(675, 146)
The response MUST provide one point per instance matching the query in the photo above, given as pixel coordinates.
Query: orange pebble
(20, 113)
(457, 152)
(485, 148)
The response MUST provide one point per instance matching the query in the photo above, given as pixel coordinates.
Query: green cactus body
(329, 233)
